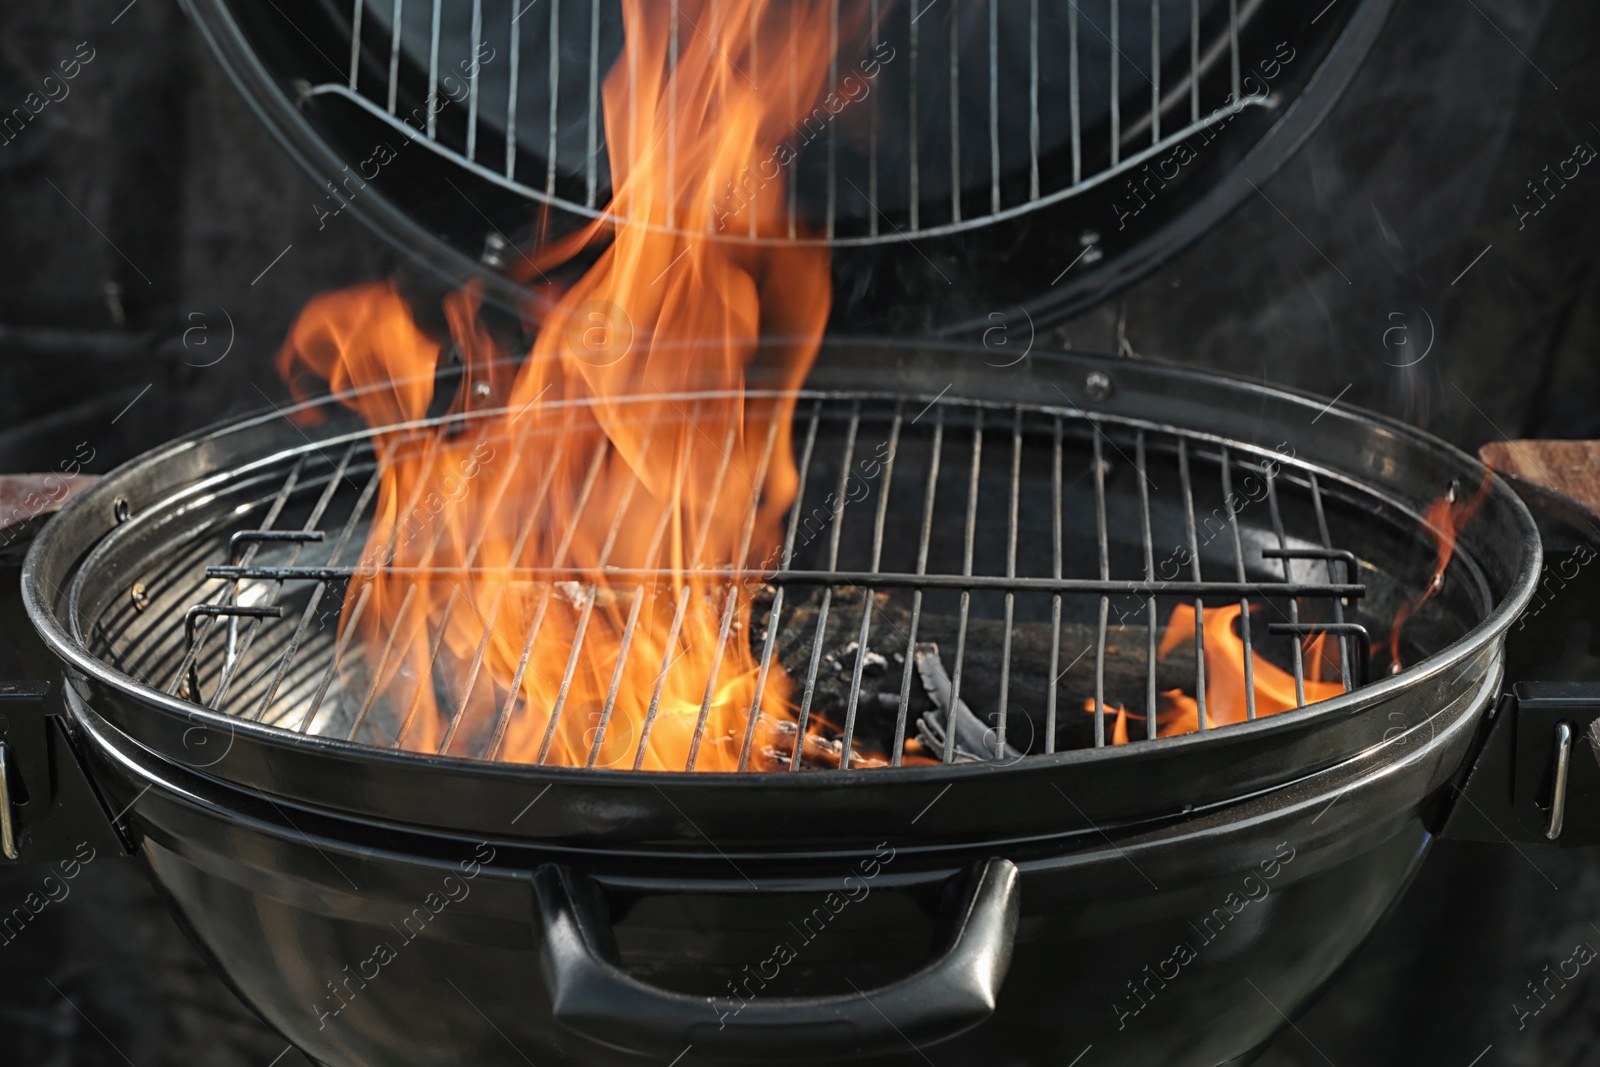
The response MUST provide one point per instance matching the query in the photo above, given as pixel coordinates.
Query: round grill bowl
(1374, 479)
(1168, 902)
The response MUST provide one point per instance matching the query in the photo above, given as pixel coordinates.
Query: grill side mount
(1530, 783)
(50, 810)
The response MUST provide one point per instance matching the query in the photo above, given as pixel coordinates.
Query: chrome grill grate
(979, 528)
(984, 112)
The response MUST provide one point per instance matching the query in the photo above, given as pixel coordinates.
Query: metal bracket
(49, 806)
(1532, 781)
(1348, 634)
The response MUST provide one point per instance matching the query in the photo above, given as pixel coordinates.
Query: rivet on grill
(494, 247)
(140, 595)
(1097, 385)
(481, 391)
(120, 510)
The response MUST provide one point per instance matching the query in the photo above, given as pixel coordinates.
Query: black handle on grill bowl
(951, 994)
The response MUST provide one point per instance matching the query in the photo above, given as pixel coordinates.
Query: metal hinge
(1536, 778)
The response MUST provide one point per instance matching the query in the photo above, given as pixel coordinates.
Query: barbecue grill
(986, 827)
(287, 825)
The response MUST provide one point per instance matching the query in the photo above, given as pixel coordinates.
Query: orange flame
(1443, 522)
(1119, 728)
(600, 458)
(1226, 685)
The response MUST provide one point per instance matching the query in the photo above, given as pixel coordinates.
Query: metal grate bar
(1199, 603)
(355, 42)
(1011, 598)
(472, 79)
(566, 677)
(753, 189)
(873, 15)
(433, 72)
(514, 77)
(1233, 46)
(1140, 459)
(833, 125)
(775, 612)
(916, 595)
(867, 603)
(884, 580)
(591, 165)
(955, 116)
(555, 97)
(394, 53)
(1244, 605)
(1116, 81)
(915, 202)
(1055, 600)
(966, 592)
(841, 499)
(623, 647)
(667, 660)
(1155, 71)
(1288, 575)
(1194, 60)
(712, 36)
(1103, 536)
(1033, 99)
(1072, 92)
(672, 116)
(1350, 573)
(994, 108)
(794, 109)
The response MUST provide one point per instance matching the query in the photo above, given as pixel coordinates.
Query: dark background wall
(149, 224)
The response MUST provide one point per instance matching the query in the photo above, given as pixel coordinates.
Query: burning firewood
(883, 673)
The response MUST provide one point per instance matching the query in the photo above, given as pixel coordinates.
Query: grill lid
(1010, 154)
(1037, 520)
